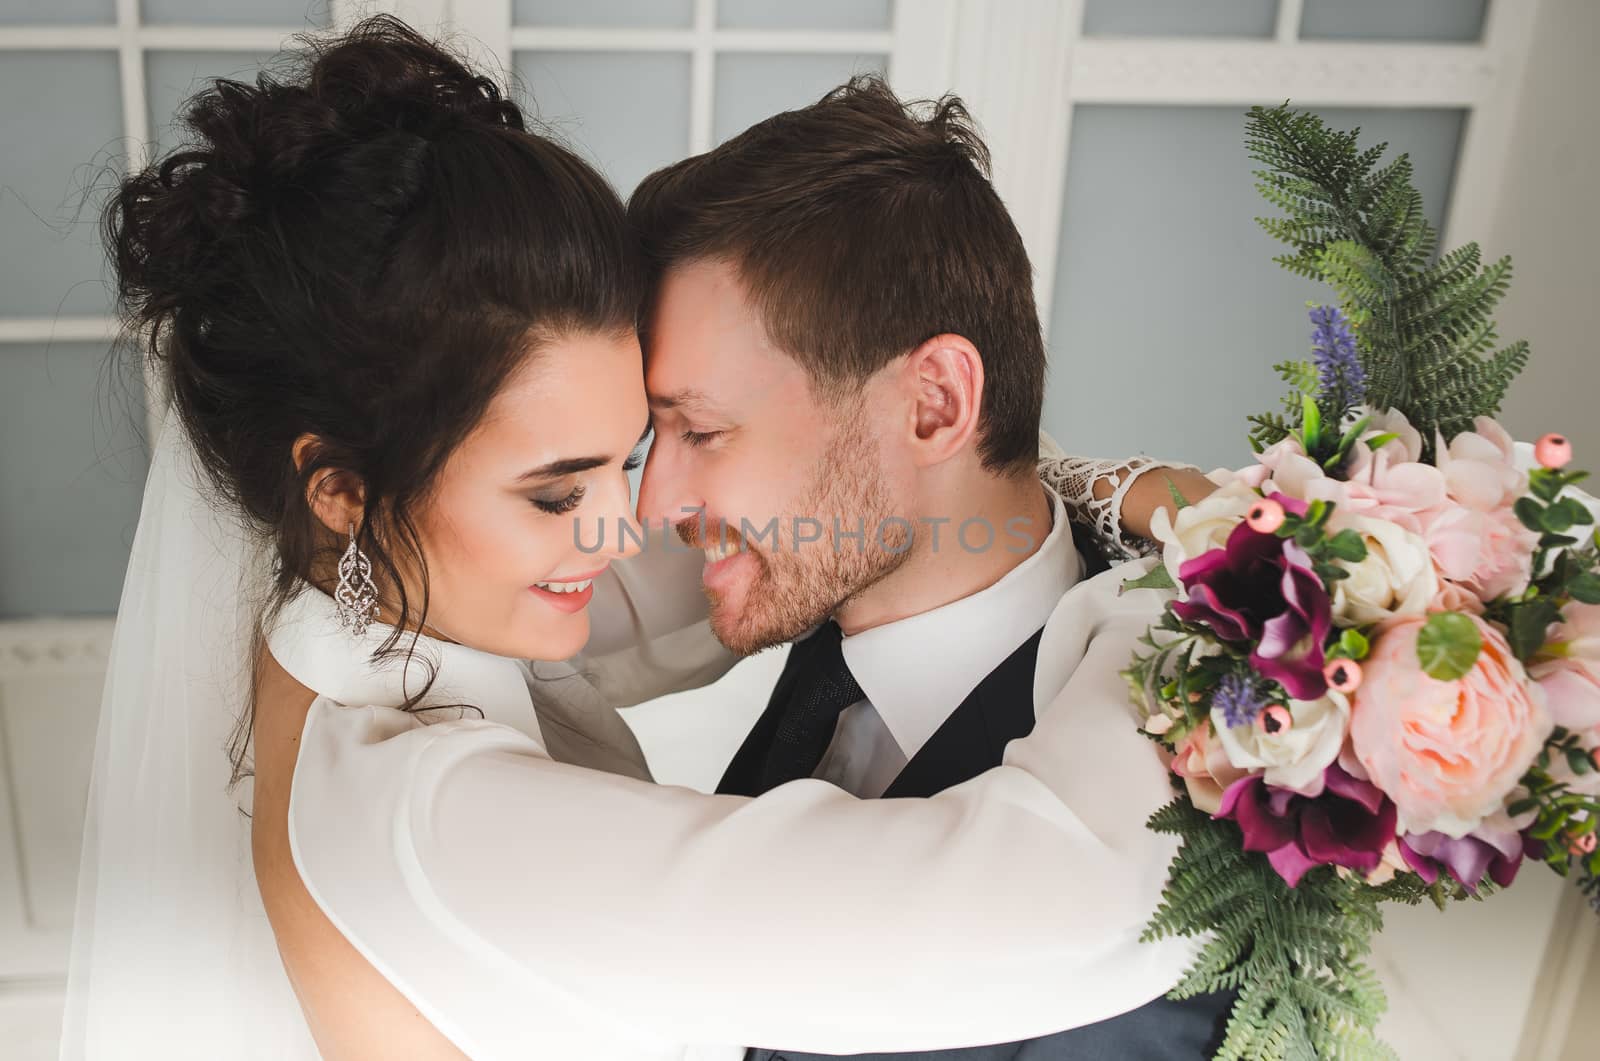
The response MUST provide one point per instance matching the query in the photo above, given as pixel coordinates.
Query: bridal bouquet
(1380, 679)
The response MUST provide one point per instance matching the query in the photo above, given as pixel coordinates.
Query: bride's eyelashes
(560, 506)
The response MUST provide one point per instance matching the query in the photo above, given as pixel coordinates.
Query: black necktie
(800, 719)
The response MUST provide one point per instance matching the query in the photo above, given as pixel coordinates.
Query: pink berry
(1584, 845)
(1343, 675)
(1265, 516)
(1594, 757)
(1553, 451)
(1275, 718)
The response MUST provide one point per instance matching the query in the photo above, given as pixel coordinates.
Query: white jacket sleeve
(1005, 908)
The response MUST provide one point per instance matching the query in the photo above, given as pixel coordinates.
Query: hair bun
(386, 72)
(369, 102)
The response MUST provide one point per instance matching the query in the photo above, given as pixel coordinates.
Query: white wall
(1548, 222)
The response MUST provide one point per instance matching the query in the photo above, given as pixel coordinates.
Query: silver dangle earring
(356, 595)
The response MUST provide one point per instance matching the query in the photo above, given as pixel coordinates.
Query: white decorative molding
(1574, 942)
(1201, 73)
(789, 42)
(51, 673)
(58, 329)
(34, 646)
(1486, 140)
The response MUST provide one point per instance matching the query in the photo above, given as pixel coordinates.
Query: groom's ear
(944, 377)
(336, 497)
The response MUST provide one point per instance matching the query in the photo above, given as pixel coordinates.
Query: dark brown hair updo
(361, 246)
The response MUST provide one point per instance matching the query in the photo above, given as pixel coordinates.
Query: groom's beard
(794, 588)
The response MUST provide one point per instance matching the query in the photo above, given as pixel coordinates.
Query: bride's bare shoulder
(354, 1013)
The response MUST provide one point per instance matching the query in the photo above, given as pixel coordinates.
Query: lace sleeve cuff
(1074, 479)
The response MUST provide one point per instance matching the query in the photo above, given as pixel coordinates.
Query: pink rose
(1490, 553)
(1480, 467)
(1446, 752)
(1204, 767)
(1568, 669)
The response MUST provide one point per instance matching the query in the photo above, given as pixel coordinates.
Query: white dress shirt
(916, 671)
(533, 908)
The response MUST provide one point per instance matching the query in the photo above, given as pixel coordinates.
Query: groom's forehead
(705, 345)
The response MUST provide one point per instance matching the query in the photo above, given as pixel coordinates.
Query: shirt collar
(307, 641)
(918, 670)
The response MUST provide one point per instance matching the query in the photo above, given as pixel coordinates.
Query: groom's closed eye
(699, 438)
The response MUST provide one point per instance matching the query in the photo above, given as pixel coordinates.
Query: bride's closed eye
(562, 504)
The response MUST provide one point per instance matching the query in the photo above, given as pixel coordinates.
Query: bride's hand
(1152, 489)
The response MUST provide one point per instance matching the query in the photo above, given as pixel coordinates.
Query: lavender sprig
(1341, 381)
(1238, 698)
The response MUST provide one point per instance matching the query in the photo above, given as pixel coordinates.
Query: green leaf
(1579, 761)
(1448, 645)
(1354, 643)
(1544, 483)
(1347, 545)
(1576, 511)
(1156, 578)
(1310, 423)
(1522, 806)
(1177, 495)
(1585, 588)
(1554, 519)
(1308, 535)
(1530, 512)
(1377, 442)
(1527, 623)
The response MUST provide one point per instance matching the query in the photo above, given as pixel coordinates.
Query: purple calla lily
(1497, 852)
(1262, 590)
(1350, 824)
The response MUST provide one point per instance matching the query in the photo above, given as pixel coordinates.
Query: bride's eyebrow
(574, 465)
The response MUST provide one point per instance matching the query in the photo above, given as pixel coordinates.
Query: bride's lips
(571, 600)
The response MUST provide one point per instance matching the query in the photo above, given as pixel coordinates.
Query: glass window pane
(65, 107)
(1409, 20)
(235, 12)
(72, 467)
(655, 14)
(754, 86)
(628, 111)
(57, 12)
(1165, 288)
(1180, 18)
(814, 14)
(172, 77)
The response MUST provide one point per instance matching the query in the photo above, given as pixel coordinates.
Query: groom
(846, 372)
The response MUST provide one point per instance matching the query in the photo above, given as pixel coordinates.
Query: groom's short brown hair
(861, 229)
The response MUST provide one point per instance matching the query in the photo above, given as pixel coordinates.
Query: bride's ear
(336, 497)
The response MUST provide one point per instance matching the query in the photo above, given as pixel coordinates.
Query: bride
(397, 329)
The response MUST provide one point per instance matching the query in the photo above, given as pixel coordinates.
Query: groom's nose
(667, 493)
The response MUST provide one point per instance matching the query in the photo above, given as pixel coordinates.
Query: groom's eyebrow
(686, 398)
(574, 465)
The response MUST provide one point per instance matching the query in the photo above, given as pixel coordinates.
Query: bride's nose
(622, 536)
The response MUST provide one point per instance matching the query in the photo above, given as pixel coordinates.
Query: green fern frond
(1423, 327)
(1294, 954)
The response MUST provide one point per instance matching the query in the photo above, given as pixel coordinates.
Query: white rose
(1294, 758)
(1397, 577)
(1202, 526)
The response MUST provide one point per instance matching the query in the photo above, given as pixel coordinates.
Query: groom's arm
(1004, 908)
